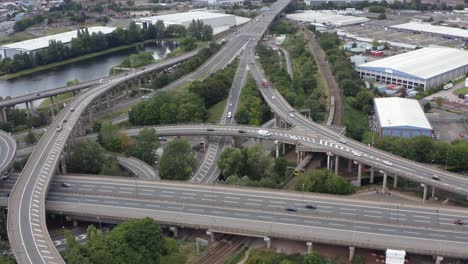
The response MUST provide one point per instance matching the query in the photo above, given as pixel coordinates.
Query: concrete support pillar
(52, 112)
(175, 231)
(372, 175)
(350, 164)
(328, 161)
(395, 182)
(351, 254)
(75, 223)
(433, 192)
(28, 111)
(139, 82)
(284, 148)
(90, 115)
(425, 192)
(4, 114)
(298, 160)
(63, 164)
(108, 100)
(277, 148)
(384, 184)
(439, 259)
(337, 162)
(268, 242)
(359, 176)
(212, 235)
(57, 106)
(309, 247)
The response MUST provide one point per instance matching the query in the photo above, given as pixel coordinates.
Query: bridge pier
(75, 223)
(337, 162)
(276, 148)
(212, 235)
(52, 112)
(433, 192)
(175, 231)
(28, 110)
(4, 115)
(439, 259)
(328, 160)
(90, 115)
(309, 247)
(350, 165)
(424, 192)
(108, 103)
(395, 182)
(57, 106)
(384, 184)
(268, 242)
(351, 254)
(63, 164)
(372, 175)
(359, 176)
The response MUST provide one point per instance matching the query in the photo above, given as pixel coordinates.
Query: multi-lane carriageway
(260, 212)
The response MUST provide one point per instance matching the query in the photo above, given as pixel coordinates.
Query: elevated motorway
(7, 151)
(27, 230)
(259, 212)
(331, 142)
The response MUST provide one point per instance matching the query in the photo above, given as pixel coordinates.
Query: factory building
(31, 45)
(400, 117)
(334, 18)
(432, 30)
(427, 67)
(218, 21)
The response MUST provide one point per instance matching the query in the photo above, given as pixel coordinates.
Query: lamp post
(99, 220)
(302, 187)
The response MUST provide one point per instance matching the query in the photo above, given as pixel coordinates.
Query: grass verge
(461, 91)
(215, 112)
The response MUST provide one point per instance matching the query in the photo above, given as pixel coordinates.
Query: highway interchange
(31, 243)
(7, 151)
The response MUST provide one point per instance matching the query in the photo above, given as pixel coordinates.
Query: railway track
(219, 253)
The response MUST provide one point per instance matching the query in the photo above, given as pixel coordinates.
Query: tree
(73, 82)
(177, 161)
(349, 87)
(188, 43)
(86, 157)
(427, 107)
(108, 137)
(144, 146)
(110, 166)
(382, 17)
(439, 101)
(30, 138)
(324, 181)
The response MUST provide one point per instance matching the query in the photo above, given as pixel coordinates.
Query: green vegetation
(252, 109)
(144, 145)
(377, 9)
(352, 87)
(215, 112)
(252, 167)
(23, 24)
(324, 181)
(461, 91)
(184, 106)
(303, 92)
(62, 98)
(18, 165)
(89, 157)
(30, 138)
(268, 257)
(135, 241)
(282, 26)
(134, 61)
(177, 161)
(86, 43)
(18, 120)
(423, 149)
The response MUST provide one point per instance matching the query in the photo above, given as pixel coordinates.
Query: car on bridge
(459, 222)
(265, 133)
(291, 209)
(355, 153)
(311, 207)
(388, 163)
(435, 177)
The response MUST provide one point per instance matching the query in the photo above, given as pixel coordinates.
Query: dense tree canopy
(135, 241)
(144, 145)
(324, 181)
(177, 161)
(89, 157)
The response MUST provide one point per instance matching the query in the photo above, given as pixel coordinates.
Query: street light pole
(302, 187)
(99, 220)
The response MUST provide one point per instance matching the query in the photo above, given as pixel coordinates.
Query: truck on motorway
(265, 83)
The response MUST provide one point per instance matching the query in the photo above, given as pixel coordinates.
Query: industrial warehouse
(427, 68)
(218, 21)
(10, 50)
(400, 117)
(327, 17)
(443, 31)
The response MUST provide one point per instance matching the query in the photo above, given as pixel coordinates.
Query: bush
(324, 181)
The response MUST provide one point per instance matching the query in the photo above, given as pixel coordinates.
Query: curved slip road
(7, 151)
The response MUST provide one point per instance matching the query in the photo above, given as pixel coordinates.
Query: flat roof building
(400, 117)
(448, 32)
(218, 21)
(327, 17)
(426, 67)
(9, 50)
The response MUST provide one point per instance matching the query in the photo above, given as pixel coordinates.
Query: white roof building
(436, 30)
(218, 21)
(428, 67)
(9, 50)
(395, 256)
(327, 17)
(400, 117)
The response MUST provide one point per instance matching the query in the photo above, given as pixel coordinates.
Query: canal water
(85, 70)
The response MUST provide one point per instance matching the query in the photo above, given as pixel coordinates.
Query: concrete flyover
(7, 151)
(138, 167)
(27, 230)
(332, 142)
(258, 212)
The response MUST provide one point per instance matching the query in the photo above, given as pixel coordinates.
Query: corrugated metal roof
(423, 63)
(400, 112)
(179, 18)
(43, 42)
(428, 28)
(327, 16)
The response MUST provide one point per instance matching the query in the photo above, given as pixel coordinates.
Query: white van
(229, 114)
(264, 133)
